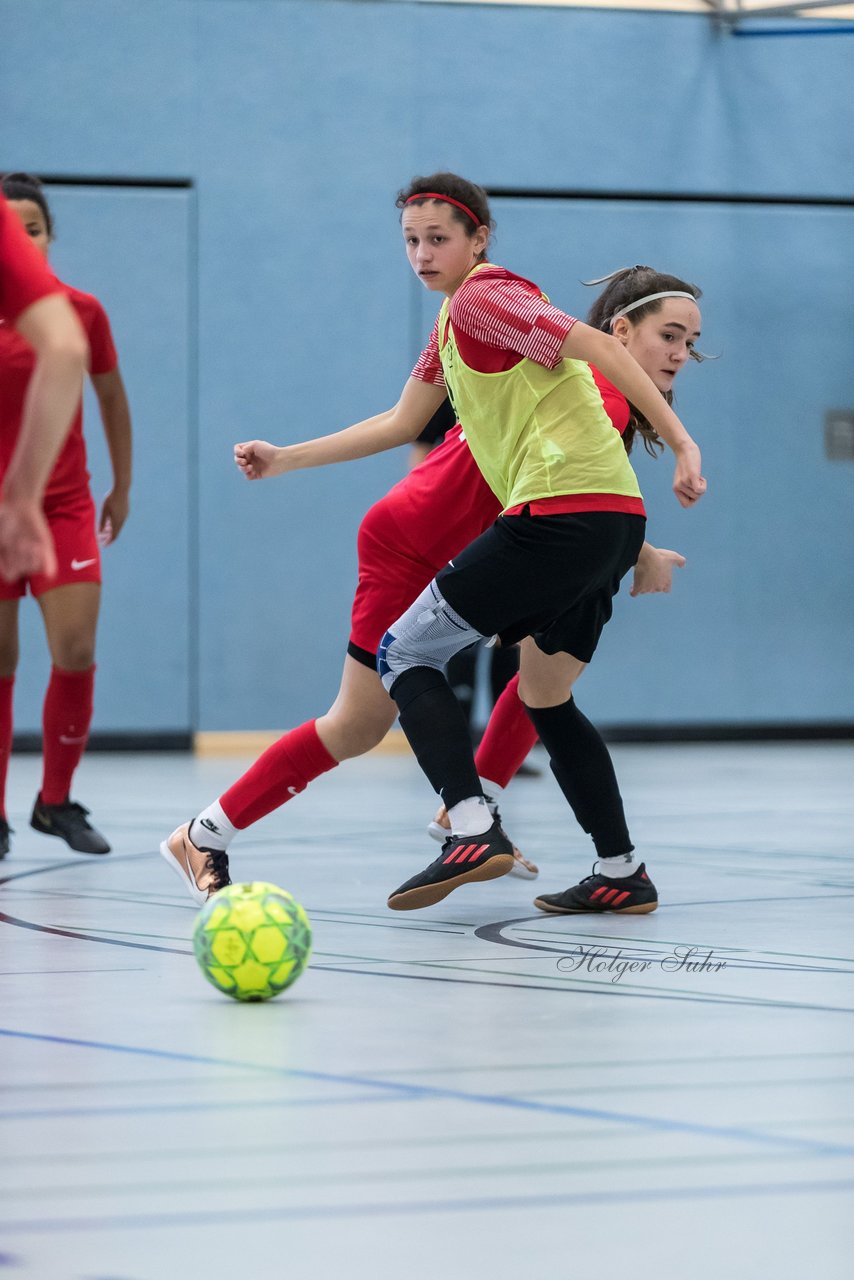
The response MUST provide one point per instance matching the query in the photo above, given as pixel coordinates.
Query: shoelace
(77, 812)
(217, 865)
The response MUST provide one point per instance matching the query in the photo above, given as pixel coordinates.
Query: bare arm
(115, 416)
(610, 356)
(400, 425)
(52, 329)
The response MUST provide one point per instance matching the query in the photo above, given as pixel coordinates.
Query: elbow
(66, 344)
(67, 353)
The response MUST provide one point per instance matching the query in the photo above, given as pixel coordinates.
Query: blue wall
(296, 121)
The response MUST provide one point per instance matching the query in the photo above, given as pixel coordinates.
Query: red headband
(434, 195)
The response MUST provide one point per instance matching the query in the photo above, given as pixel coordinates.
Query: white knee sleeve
(427, 635)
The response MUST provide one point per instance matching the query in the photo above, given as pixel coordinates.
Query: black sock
(585, 774)
(437, 731)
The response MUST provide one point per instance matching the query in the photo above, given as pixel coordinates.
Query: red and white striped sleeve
(510, 314)
(428, 367)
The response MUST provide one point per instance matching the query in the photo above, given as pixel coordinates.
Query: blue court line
(420, 1092)
(156, 1108)
(613, 1198)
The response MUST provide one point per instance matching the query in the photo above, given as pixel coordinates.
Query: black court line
(548, 1169)
(588, 989)
(422, 1206)
(493, 932)
(566, 987)
(490, 932)
(80, 861)
(88, 937)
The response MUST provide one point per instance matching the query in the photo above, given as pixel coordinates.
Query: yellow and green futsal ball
(252, 941)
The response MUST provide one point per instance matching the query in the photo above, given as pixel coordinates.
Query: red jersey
(429, 517)
(444, 503)
(17, 361)
(24, 275)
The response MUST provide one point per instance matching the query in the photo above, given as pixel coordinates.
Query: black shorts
(550, 577)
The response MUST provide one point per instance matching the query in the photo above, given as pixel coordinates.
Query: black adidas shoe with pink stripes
(463, 860)
(629, 895)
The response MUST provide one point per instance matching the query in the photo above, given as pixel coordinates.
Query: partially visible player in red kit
(70, 599)
(32, 303)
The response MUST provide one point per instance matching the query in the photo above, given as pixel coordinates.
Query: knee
(391, 661)
(427, 635)
(8, 657)
(544, 691)
(73, 653)
(347, 737)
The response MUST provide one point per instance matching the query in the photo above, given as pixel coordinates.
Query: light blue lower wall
(296, 121)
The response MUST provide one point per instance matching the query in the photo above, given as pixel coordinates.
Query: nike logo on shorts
(83, 564)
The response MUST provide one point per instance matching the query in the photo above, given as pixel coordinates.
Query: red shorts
(389, 580)
(72, 522)
(409, 535)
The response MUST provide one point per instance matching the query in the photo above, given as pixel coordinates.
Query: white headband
(651, 297)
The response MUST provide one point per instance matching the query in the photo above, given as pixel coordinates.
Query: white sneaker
(201, 871)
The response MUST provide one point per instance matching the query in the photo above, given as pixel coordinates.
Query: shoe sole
(429, 894)
(198, 895)
(49, 831)
(642, 909)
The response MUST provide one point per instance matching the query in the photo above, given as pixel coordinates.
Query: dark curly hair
(26, 186)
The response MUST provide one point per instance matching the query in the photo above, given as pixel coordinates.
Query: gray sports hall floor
(452, 1093)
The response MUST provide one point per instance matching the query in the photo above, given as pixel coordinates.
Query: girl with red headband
(401, 544)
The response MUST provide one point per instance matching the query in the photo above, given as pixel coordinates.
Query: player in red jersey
(423, 521)
(70, 598)
(32, 304)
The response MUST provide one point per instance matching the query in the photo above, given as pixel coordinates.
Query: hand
(26, 545)
(654, 570)
(114, 513)
(259, 460)
(688, 484)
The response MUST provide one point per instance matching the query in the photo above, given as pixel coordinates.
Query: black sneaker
(463, 860)
(5, 832)
(68, 821)
(630, 895)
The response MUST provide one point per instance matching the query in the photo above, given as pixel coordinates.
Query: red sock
(278, 775)
(7, 688)
(507, 738)
(66, 717)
